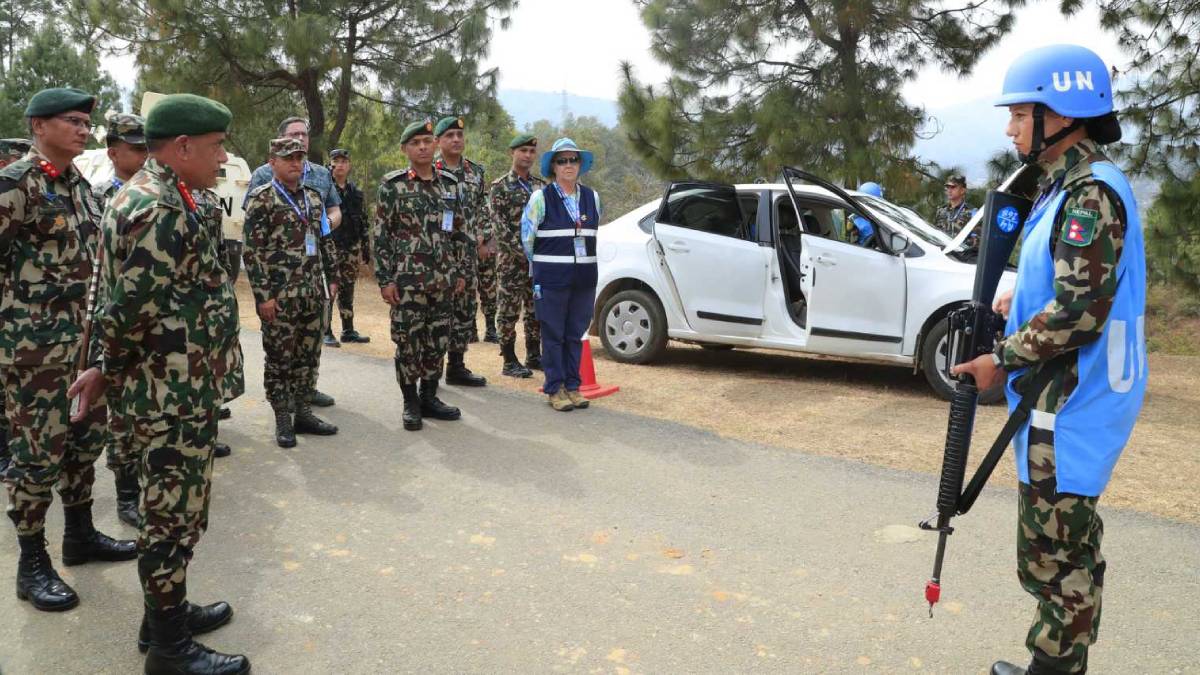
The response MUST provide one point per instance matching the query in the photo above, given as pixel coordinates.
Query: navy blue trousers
(564, 312)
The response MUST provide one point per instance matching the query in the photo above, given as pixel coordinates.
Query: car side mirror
(898, 242)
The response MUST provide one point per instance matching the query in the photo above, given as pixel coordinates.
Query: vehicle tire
(633, 327)
(933, 365)
(714, 347)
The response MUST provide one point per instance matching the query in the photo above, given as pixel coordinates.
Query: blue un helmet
(871, 188)
(1071, 80)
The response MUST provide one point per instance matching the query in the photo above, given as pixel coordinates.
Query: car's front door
(719, 274)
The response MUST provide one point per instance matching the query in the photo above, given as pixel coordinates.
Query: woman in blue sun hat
(558, 230)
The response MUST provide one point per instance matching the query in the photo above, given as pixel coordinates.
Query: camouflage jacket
(104, 192)
(169, 323)
(48, 241)
(278, 261)
(412, 250)
(507, 198)
(1085, 281)
(952, 219)
(474, 196)
(208, 208)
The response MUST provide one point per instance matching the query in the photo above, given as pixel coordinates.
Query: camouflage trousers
(420, 329)
(1059, 562)
(348, 264)
(463, 309)
(118, 443)
(292, 350)
(175, 475)
(515, 299)
(47, 449)
(486, 273)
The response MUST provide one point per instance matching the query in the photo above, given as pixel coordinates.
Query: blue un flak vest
(1095, 422)
(554, 260)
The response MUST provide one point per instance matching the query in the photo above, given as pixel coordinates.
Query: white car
(768, 266)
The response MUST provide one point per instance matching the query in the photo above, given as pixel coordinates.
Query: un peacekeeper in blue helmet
(1078, 310)
(865, 230)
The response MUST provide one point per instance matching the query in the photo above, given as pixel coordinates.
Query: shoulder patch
(1079, 226)
(393, 176)
(17, 169)
(258, 189)
(446, 174)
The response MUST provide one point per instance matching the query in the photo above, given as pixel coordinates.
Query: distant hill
(528, 107)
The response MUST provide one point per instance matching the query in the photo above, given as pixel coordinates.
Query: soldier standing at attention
(956, 213)
(506, 200)
(320, 179)
(451, 143)
(48, 243)
(11, 149)
(420, 254)
(352, 245)
(210, 213)
(1079, 308)
(291, 268)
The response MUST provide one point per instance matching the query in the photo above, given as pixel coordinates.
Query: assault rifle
(973, 330)
(89, 319)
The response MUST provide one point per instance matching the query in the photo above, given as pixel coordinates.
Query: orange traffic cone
(587, 375)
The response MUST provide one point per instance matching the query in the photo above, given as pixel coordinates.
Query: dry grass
(878, 415)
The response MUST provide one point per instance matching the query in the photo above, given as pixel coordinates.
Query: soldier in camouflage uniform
(420, 251)
(451, 142)
(126, 142)
(292, 268)
(956, 213)
(506, 201)
(48, 242)
(169, 330)
(352, 240)
(209, 211)
(11, 149)
(1077, 310)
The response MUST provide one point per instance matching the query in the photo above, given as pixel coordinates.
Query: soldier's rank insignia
(1080, 227)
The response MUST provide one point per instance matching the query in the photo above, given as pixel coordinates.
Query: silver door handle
(828, 261)
(678, 247)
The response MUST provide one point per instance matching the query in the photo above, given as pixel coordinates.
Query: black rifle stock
(973, 330)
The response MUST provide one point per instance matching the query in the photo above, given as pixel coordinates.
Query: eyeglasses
(77, 122)
(563, 161)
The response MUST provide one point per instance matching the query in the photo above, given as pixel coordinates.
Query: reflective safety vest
(555, 262)
(1095, 422)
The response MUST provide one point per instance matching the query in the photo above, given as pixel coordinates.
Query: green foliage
(1172, 320)
(1172, 235)
(48, 61)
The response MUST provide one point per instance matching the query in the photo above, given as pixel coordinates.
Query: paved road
(598, 543)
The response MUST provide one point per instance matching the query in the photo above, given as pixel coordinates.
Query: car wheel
(935, 351)
(633, 327)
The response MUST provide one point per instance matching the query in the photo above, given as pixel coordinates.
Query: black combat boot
(308, 423)
(489, 333)
(174, 652)
(128, 494)
(432, 406)
(351, 335)
(320, 400)
(329, 340)
(82, 543)
(458, 373)
(1006, 668)
(37, 581)
(224, 413)
(512, 366)
(412, 407)
(533, 355)
(201, 619)
(221, 449)
(285, 434)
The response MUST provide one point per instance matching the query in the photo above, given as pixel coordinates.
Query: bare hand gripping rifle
(973, 331)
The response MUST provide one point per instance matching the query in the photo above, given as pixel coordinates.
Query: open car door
(719, 275)
(856, 296)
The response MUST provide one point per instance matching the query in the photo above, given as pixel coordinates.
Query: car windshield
(906, 217)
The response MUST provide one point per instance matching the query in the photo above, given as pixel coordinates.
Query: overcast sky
(610, 31)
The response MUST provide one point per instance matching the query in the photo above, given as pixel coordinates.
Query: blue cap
(1069, 79)
(566, 145)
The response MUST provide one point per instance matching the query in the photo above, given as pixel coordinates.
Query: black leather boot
(201, 619)
(37, 581)
(308, 423)
(533, 355)
(224, 413)
(412, 407)
(512, 366)
(221, 449)
(458, 373)
(1006, 668)
(82, 543)
(432, 406)
(285, 434)
(320, 400)
(174, 652)
(351, 335)
(489, 332)
(128, 494)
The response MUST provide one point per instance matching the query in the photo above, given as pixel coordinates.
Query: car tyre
(633, 327)
(933, 363)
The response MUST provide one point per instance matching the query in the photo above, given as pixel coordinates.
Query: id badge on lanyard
(310, 243)
(448, 212)
(580, 247)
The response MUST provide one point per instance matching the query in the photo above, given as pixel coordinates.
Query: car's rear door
(720, 275)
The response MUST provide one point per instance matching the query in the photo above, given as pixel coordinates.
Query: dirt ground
(878, 415)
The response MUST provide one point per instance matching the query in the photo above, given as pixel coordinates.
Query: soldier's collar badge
(48, 168)
(186, 195)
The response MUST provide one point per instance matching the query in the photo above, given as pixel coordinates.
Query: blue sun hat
(564, 145)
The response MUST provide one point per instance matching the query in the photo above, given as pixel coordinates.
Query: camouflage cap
(127, 127)
(339, 152)
(521, 140)
(14, 148)
(447, 123)
(422, 128)
(956, 179)
(286, 147)
(51, 102)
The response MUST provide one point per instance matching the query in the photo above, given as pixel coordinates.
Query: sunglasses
(563, 161)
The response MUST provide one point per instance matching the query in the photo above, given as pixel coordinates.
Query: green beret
(14, 148)
(186, 115)
(522, 140)
(286, 147)
(422, 128)
(51, 102)
(447, 123)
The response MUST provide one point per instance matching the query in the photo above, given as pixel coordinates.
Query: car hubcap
(628, 327)
(941, 359)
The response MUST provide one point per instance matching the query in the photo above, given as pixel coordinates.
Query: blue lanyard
(281, 190)
(571, 204)
(528, 188)
(117, 182)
